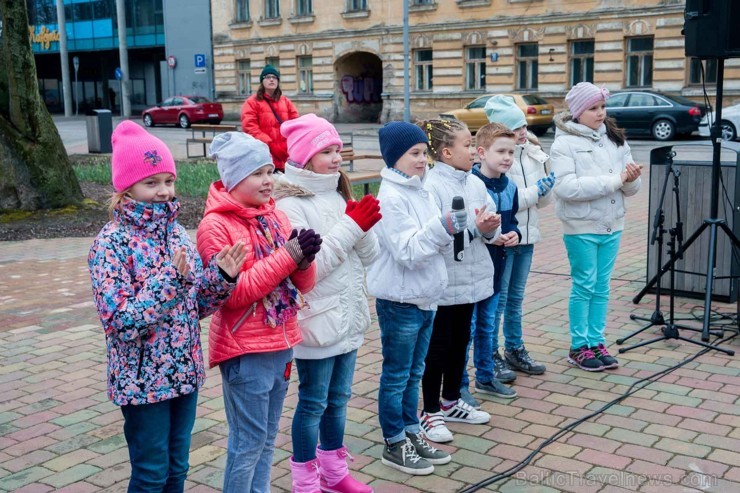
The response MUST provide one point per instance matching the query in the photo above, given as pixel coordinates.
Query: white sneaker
(464, 413)
(434, 428)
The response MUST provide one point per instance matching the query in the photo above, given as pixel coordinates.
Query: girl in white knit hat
(595, 172)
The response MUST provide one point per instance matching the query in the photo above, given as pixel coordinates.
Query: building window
(527, 65)
(356, 5)
(581, 62)
(242, 11)
(695, 69)
(639, 62)
(274, 61)
(244, 77)
(303, 7)
(272, 9)
(423, 70)
(305, 74)
(423, 2)
(475, 67)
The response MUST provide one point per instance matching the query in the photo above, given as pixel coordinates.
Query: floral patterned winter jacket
(149, 311)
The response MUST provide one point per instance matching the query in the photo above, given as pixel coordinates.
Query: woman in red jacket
(265, 111)
(251, 337)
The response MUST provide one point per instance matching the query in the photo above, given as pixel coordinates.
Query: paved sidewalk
(59, 432)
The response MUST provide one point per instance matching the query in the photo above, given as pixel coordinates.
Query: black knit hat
(269, 70)
(398, 137)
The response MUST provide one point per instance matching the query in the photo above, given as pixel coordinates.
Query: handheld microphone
(458, 245)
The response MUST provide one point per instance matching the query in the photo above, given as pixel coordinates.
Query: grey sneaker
(501, 370)
(426, 451)
(403, 456)
(468, 398)
(519, 359)
(495, 388)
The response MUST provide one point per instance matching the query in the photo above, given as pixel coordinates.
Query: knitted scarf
(285, 300)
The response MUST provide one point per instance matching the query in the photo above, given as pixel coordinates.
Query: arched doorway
(359, 83)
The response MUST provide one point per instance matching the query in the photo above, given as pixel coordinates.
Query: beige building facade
(343, 59)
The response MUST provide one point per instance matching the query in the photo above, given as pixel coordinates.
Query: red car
(182, 111)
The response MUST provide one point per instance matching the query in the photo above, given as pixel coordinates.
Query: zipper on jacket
(141, 361)
(285, 336)
(251, 310)
(524, 177)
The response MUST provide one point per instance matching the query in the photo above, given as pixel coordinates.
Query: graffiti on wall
(361, 89)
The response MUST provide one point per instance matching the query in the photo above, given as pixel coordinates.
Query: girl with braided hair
(470, 280)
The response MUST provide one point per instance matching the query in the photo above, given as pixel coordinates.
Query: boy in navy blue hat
(407, 278)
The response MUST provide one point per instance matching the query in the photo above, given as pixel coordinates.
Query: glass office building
(92, 37)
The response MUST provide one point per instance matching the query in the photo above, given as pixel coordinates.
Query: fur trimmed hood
(284, 188)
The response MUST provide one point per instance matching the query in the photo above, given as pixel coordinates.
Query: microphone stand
(675, 252)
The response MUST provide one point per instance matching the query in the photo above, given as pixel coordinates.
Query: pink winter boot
(305, 476)
(335, 477)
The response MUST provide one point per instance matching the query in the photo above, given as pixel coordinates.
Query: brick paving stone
(66, 461)
(22, 478)
(78, 487)
(35, 488)
(71, 475)
(110, 476)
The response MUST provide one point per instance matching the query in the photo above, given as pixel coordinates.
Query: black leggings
(445, 361)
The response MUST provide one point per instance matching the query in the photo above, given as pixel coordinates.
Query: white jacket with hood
(410, 267)
(530, 164)
(472, 279)
(337, 315)
(589, 194)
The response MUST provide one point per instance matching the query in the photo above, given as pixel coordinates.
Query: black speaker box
(712, 28)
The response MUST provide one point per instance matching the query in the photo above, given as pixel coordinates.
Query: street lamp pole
(406, 109)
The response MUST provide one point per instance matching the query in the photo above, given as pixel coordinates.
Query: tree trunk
(35, 171)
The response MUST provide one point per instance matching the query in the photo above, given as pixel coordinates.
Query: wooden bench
(364, 178)
(207, 133)
(348, 152)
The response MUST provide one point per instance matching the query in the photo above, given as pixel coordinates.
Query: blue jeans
(513, 283)
(324, 388)
(405, 331)
(592, 259)
(481, 336)
(254, 387)
(158, 438)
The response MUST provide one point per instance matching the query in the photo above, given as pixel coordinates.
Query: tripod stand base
(670, 331)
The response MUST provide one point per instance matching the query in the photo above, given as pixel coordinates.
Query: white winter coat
(410, 267)
(337, 315)
(589, 195)
(472, 279)
(530, 164)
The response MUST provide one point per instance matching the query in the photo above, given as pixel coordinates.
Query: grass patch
(194, 177)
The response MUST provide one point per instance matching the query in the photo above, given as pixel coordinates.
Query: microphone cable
(642, 383)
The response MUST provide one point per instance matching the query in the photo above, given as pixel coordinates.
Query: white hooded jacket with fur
(337, 315)
(589, 194)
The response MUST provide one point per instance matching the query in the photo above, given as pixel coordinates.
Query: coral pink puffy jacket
(238, 327)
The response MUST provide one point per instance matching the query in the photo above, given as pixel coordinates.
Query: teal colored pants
(592, 260)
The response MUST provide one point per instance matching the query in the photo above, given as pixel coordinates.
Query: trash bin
(99, 131)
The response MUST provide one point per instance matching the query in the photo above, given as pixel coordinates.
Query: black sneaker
(519, 359)
(607, 359)
(501, 370)
(585, 359)
(431, 454)
(403, 456)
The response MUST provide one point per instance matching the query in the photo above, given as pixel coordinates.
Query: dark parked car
(182, 111)
(654, 113)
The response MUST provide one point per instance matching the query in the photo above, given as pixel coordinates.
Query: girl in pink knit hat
(595, 172)
(316, 194)
(150, 289)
